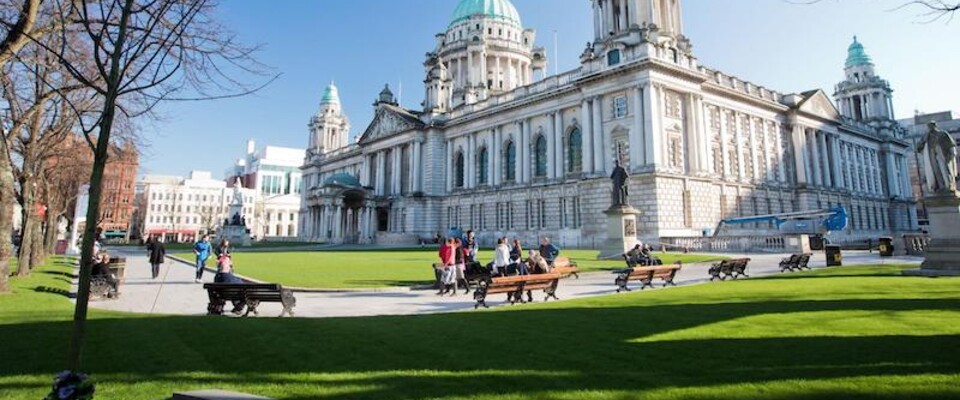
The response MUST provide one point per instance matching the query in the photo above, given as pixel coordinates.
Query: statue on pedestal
(621, 191)
(942, 159)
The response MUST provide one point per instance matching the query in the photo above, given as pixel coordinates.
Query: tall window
(575, 151)
(540, 157)
(510, 161)
(620, 107)
(458, 171)
(483, 163)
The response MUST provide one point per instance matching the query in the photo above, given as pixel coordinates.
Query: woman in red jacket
(448, 275)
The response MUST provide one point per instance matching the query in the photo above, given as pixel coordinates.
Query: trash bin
(834, 256)
(886, 247)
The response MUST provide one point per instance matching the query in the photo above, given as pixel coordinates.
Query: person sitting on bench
(101, 269)
(537, 264)
(636, 256)
(225, 275)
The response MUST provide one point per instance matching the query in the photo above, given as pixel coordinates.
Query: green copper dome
(856, 56)
(498, 9)
(331, 95)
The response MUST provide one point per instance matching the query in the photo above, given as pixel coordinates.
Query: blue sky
(362, 44)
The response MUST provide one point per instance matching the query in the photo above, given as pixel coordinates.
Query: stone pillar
(471, 79)
(636, 133)
(827, 165)
(597, 21)
(599, 147)
(528, 150)
(799, 148)
(397, 153)
(724, 146)
(448, 165)
(835, 161)
(813, 142)
(875, 159)
(905, 186)
(553, 155)
(496, 156)
(586, 134)
(337, 223)
(778, 145)
(653, 138)
(623, 15)
(381, 173)
(558, 134)
(893, 186)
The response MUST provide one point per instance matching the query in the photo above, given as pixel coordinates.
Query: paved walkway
(176, 293)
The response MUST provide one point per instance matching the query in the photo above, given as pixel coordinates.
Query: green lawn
(172, 247)
(382, 268)
(851, 333)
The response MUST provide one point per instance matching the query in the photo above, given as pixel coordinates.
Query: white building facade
(182, 209)
(500, 149)
(273, 173)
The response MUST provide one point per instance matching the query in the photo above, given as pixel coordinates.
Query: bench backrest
(245, 287)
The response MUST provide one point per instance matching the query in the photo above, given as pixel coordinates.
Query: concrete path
(176, 293)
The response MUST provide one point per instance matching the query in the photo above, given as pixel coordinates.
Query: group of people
(203, 249)
(458, 259)
(640, 255)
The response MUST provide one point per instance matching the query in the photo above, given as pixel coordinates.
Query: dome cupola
(495, 9)
(857, 56)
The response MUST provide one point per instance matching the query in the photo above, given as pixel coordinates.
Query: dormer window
(613, 57)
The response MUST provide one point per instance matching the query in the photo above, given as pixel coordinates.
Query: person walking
(202, 250)
(223, 248)
(157, 253)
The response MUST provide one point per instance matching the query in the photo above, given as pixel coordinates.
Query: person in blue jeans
(202, 250)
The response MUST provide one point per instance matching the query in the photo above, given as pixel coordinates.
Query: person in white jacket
(501, 257)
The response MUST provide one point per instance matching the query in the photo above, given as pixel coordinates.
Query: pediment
(819, 104)
(389, 122)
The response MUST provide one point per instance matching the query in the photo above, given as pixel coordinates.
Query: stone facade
(527, 156)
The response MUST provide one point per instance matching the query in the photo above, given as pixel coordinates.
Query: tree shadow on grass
(487, 353)
(57, 291)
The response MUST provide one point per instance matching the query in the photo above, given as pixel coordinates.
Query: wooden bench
(565, 267)
(646, 275)
(796, 262)
(514, 286)
(735, 269)
(250, 295)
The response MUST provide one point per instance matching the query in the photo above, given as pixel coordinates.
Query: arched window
(574, 151)
(458, 171)
(540, 157)
(510, 161)
(483, 165)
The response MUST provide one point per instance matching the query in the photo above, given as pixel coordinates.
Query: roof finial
(855, 38)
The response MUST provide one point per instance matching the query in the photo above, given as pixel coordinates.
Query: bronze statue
(621, 180)
(942, 159)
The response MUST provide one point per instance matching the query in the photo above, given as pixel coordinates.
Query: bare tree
(930, 10)
(17, 32)
(143, 52)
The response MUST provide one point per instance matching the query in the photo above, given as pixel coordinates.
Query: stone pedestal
(621, 231)
(236, 234)
(943, 252)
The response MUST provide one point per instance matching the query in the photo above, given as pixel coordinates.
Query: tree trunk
(51, 232)
(38, 252)
(113, 82)
(7, 199)
(27, 230)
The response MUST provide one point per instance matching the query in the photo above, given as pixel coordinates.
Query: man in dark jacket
(157, 253)
(548, 251)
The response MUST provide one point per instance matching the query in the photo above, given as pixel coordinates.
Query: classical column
(495, 156)
(623, 15)
(893, 186)
(636, 134)
(597, 28)
(552, 155)
(560, 159)
(653, 139)
(724, 146)
(337, 222)
(586, 137)
(599, 147)
(471, 80)
(906, 187)
(483, 68)
(381, 173)
(835, 161)
(521, 159)
(448, 164)
(827, 164)
(799, 149)
(875, 159)
(814, 157)
(748, 128)
(609, 18)
(527, 154)
(857, 166)
(419, 165)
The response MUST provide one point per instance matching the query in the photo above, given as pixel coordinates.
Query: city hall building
(504, 149)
